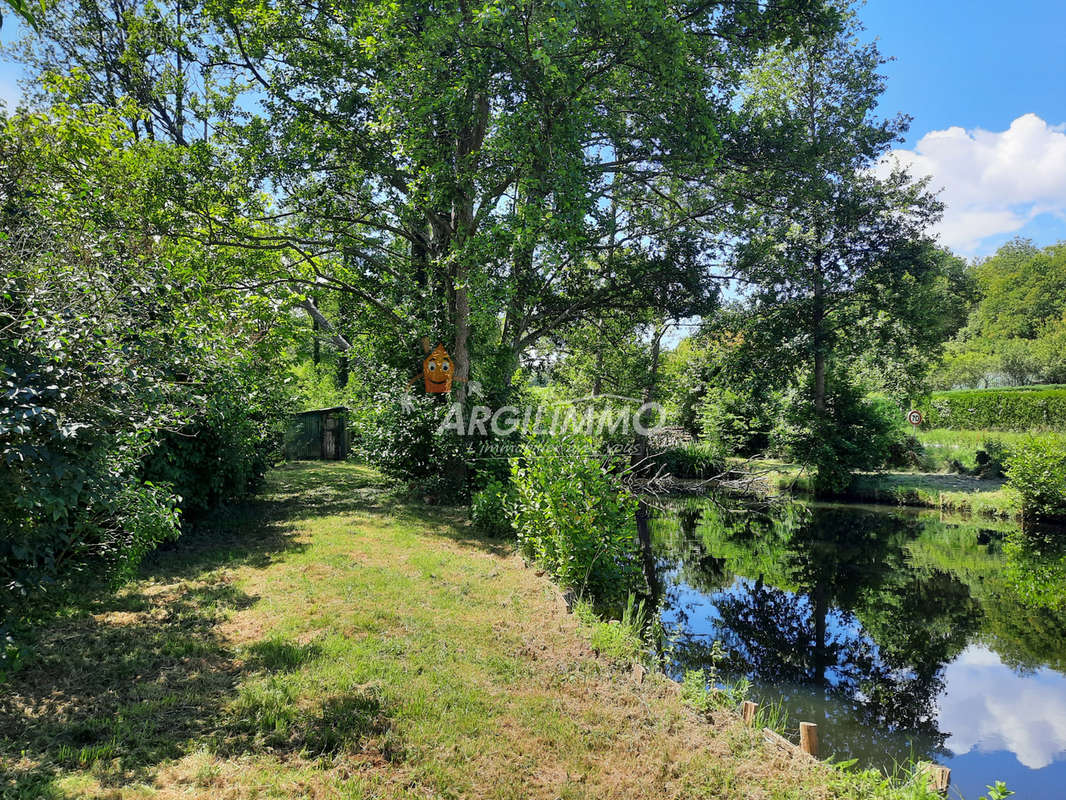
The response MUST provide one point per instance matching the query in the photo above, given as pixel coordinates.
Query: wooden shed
(318, 434)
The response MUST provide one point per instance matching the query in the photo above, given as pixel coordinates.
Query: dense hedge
(998, 409)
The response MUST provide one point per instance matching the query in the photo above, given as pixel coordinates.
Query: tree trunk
(818, 335)
(461, 349)
(641, 441)
(597, 375)
(339, 341)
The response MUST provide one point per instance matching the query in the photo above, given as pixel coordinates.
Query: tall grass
(619, 640)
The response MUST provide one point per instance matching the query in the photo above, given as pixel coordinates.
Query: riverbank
(961, 494)
(331, 640)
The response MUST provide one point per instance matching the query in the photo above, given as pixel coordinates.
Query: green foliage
(1017, 331)
(997, 791)
(221, 454)
(854, 433)
(991, 459)
(574, 518)
(702, 689)
(401, 434)
(1023, 289)
(696, 692)
(1031, 409)
(735, 420)
(1037, 472)
(698, 460)
(113, 343)
(619, 640)
(490, 508)
(29, 12)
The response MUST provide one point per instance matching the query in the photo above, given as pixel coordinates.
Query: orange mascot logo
(438, 370)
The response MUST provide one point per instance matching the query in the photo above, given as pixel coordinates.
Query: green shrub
(1037, 472)
(490, 508)
(1018, 409)
(575, 519)
(692, 460)
(221, 455)
(855, 433)
(111, 344)
(736, 421)
(401, 434)
(696, 693)
(991, 459)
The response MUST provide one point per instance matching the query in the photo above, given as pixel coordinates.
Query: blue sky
(982, 66)
(985, 84)
(977, 64)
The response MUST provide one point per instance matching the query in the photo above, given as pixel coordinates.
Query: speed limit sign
(914, 417)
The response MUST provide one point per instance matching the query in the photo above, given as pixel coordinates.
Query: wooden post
(939, 777)
(809, 738)
(747, 711)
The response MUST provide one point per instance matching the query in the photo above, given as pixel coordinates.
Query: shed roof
(322, 410)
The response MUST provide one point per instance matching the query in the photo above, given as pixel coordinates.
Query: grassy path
(328, 642)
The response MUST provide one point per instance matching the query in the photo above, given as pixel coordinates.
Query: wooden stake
(747, 711)
(809, 738)
(939, 777)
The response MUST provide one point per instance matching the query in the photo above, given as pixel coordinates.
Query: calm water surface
(903, 635)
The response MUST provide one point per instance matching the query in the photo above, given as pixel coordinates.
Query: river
(904, 635)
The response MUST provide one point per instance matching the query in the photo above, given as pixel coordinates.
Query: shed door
(329, 438)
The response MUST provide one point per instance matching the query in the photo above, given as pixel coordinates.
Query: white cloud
(993, 183)
(989, 707)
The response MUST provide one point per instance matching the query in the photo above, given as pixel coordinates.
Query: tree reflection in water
(825, 605)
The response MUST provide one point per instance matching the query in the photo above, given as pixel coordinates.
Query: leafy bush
(692, 460)
(112, 342)
(721, 420)
(855, 433)
(905, 451)
(1037, 472)
(992, 459)
(1020, 409)
(219, 456)
(737, 421)
(490, 508)
(575, 519)
(401, 434)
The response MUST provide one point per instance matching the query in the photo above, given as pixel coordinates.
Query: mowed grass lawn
(330, 641)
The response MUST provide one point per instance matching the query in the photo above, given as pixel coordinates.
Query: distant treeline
(1016, 329)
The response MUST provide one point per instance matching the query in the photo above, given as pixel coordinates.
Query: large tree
(487, 172)
(145, 57)
(836, 244)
